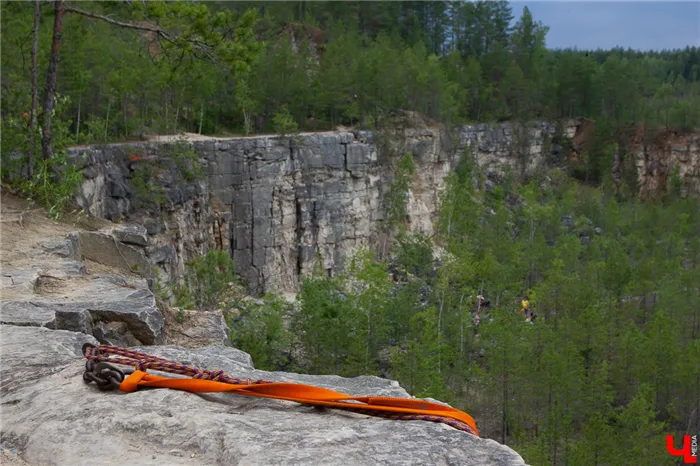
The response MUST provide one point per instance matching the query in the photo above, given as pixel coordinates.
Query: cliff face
(283, 206)
(657, 154)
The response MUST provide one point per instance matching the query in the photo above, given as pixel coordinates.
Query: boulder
(78, 321)
(114, 333)
(105, 249)
(50, 416)
(61, 247)
(131, 234)
(198, 327)
(81, 305)
(26, 313)
(137, 311)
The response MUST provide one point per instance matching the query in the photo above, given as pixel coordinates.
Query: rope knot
(142, 365)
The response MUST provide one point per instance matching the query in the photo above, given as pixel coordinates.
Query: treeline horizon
(324, 64)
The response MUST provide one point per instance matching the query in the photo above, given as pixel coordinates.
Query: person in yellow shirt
(525, 303)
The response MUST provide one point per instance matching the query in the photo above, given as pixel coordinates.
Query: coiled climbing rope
(99, 369)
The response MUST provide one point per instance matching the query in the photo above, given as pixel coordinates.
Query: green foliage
(55, 181)
(183, 297)
(144, 179)
(54, 184)
(606, 367)
(611, 361)
(675, 184)
(226, 70)
(396, 200)
(284, 123)
(15, 147)
(211, 281)
(414, 254)
(186, 160)
(144, 183)
(260, 328)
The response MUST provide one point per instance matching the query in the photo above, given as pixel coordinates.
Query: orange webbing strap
(306, 394)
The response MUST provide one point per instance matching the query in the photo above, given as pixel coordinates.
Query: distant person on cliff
(525, 304)
(481, 303)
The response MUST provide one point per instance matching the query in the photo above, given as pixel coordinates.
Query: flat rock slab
(18, 281)
(137, 310)
(131, 234)
(27, 313)
(78, 305)
(50, 416)
(105, 249)
(203, 327)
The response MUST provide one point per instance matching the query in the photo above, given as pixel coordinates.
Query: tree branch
(158, 31)
(199, 45)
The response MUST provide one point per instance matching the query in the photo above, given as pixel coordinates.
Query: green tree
(201, 36)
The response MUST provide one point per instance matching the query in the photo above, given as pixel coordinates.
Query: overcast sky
(639, 25)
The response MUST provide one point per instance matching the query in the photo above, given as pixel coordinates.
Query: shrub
(283, 122)
(260, 329)
(211, 281)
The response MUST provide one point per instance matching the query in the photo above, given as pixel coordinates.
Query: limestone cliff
(284, 205)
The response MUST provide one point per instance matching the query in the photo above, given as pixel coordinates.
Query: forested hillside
(607, 368)
(326, 64)
(610, 364)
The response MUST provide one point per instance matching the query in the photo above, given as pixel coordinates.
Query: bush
(144, 184)
(211, 281)
(187, 160)
(260, 329)
(55, 180)
(283, 122)
(54, 184)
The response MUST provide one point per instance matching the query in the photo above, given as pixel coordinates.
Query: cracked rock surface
(70, 275)
(50, 416)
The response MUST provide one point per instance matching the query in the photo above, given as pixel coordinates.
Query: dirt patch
(27, 236)
(24, 227)
(11, 459)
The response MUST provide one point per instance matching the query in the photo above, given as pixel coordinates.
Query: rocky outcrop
(50, 416)
(115, 309)
(285, 206)
(658, 154)
(86, 281)
(96, 282)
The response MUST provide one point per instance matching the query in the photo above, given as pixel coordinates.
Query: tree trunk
(50, 91)
(201, 117)
(439, 331)
(35, 90)
(77, 126)
(504, 416)
(109, 107)
(126, 123)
